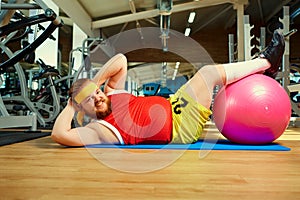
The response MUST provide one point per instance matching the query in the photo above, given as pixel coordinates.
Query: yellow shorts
(189, 117)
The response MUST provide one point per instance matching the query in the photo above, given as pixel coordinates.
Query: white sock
(239, 70)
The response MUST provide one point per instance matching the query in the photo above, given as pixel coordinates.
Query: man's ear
(79, 106)
(76, 105)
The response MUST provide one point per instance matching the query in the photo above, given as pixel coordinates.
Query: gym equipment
(11, 137)
(7, 32)
(156, 89)
(47, 99)
(199, 145)
(253, 110)
(86, 69)
(248, 47)
(294, 90)
(283, 75)
(47, 102)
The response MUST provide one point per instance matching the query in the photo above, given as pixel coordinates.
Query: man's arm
(62, 132)
(114, 72)
(93, 133)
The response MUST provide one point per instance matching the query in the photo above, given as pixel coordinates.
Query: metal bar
(23, 23)
(240, 32)
(215, 16)
(286, 56)
(231, 47)
(18, 121)
(16, 6)
(30, 48)
(262, 40)
(290, 33)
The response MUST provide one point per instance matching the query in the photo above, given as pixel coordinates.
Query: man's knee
(214, 74)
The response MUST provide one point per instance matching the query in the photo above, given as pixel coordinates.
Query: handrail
(5, 30)
(50, 15)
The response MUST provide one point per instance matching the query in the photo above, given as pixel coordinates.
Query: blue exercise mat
(201, 145)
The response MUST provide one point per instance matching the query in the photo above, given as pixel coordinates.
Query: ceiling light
(187, 31)
(191, 17)
(176, 70)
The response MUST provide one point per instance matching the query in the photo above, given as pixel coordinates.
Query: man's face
(96, 105)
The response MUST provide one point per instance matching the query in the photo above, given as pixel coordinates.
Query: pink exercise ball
(253, 110)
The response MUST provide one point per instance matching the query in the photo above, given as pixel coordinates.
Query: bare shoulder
(93, 133)
(105, 135)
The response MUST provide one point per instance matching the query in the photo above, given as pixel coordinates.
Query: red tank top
(141, 120)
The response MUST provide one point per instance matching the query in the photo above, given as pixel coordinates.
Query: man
(121, 118)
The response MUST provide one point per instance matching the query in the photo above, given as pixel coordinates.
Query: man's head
(88, 97)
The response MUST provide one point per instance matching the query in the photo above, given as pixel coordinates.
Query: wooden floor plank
(41, 169)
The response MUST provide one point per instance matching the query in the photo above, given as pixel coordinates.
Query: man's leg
(201, 86)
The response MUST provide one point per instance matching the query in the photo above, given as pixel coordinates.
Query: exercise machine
(284, 75)
(7, 32)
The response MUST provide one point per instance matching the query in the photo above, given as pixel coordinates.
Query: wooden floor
(40, 169)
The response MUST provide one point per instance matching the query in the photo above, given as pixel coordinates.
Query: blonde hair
(76, 87)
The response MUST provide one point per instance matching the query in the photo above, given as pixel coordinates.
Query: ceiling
(105, 19)
(118, 15)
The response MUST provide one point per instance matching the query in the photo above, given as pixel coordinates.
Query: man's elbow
(123, 59)
(64, 140)
(56, 137)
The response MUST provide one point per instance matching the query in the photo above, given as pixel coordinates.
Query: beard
(101, 114)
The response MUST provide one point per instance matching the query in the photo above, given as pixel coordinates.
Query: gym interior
(46, 45)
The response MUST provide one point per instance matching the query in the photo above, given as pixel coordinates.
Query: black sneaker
(273, 53)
